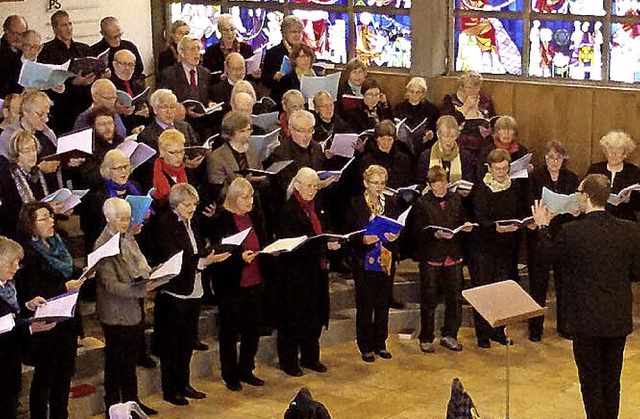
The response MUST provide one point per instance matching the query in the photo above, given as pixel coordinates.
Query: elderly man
(234, 70)
(112, 40)
(292, 101)
(137, 116)
(103, 94)
(10, 45)
(599, 256)
(62, 48)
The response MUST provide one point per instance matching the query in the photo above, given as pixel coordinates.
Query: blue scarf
(8, 294)
(56, 255)
(114, 187)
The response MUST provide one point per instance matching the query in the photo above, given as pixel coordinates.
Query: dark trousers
(599, 362)
(11, 375)
(176, 325)
(294, 340)
(539, 276)
(433, 280)
(240, 314)
(122, 345)
(53, 356)
(372, 309)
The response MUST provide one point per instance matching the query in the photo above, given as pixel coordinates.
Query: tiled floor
(544, 383)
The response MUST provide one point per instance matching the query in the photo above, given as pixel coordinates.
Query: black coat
(10, 66)
(213, 58)
(167, 58)
(629, 175)
(11, 201)
(414, 115)
(290, 81)
(598, 256)
(271, 64)
(360, 121)
(302, 282)
(102, 45)
(397, 162)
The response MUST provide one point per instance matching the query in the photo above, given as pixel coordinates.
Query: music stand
(502, 304)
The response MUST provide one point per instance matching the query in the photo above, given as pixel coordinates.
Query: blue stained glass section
(258, 27)
(399, 4)
(383, 40)
(321, 2)
(489, 45)
(491, 5)
(201, 19)
(326, 32)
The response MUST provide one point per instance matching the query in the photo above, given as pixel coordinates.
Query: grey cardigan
(118, 296)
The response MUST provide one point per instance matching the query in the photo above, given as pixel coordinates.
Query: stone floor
(544, 383)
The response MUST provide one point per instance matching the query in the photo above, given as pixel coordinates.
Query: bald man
(103, 94)
(234, 71)
(112, 40)
(122, 76)
(10, 53)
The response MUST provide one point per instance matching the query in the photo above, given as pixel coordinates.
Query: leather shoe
(251, 379)
(177, 399)
(147, 410)
(192, 393)
(146, 361)
(233, 385)
(384, 354)
(502, 339)
(368, 357)
(317, 367)
(484, 344)
(200, 346)
(293, 372)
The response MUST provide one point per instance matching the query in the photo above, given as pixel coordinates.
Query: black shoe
(177, 399)
(293, 372)
(317, 367)
(535, 338)
(502, 339)
(396, 305)
(251, 379)
(233, 385)
(384, 354)
(146, 361)
(484, 344)
(200, 346)
(147, 410)
(368, 357)
(192, 393)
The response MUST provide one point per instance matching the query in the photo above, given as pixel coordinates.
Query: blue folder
(380, 225)
(139, 207)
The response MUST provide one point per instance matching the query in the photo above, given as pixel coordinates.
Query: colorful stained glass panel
(321, 2)
(326, 32)
(491, 5)
(258, 27)
(201, 19)
(399, 4)
(624, 58)
(383, 40)
(574, 7)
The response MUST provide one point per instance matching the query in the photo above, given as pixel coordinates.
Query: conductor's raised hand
(541, 214)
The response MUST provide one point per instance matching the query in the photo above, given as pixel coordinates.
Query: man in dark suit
(292, 28)
(10, 64)
(190, 80)
(234, 71)
(599, 256)
(112, 40)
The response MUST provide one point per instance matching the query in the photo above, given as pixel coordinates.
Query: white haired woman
(414, 109)
(215, 54)
(302, 291)
(121, 283)
(617, 146)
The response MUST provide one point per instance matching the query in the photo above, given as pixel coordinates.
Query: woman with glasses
(215, 54)
(302, 288)
(557, 178)
(617, 146)
(372, 264)
(21, 180)
(302, 58)
(169, 167)
(505, 137)
(48, 272)
(415, 109)
(374, 107)
(11, 341)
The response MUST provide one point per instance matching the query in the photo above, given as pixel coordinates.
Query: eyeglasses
(304, 131)
(165, 107)
(175, 152)
(127, 65)
(373, 94)
(379, 183)
(554, 159)
(124, 167)
(42, 115)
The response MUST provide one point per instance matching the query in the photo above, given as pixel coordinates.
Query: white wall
(134, 17)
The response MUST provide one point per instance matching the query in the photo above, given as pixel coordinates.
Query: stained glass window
(626, 7)
(321, 2)
(491, 5)
(258, 27)
(202, 20)
(399, 4)
(574, 7)
(326, 32)
(383, 40)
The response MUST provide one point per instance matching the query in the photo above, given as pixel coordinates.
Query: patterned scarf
(24, 181)
(56, 255)
(378, 259)
(438, 157)
(494, 185)
(8, 294)
(376, 206)
(113, 188)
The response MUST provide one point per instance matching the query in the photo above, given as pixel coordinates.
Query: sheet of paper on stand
(60, 308)
(253, 63)
(140, 205)
(126, 100)
(44, 76)
(265, 144)
(110, 248)
(519, 169)
(137, 153)
(344, 144)
(449, 230)
(284, 245)
(326, 174)
(309, 86)
(7, 323)
(266, 121)
(559, 203)
(171, 267)
(236, 239)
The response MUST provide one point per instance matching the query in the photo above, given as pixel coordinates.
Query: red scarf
(284, 125)
(512, 147)
(309, 209)
(160, 171)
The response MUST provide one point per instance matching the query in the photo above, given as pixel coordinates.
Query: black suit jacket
(10, 65)
(599, 256)
(271, 64)
(102, 45)
(629, 175)
(171, 238)
(213, 57)
(175, 79)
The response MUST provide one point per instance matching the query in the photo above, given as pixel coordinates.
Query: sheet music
(110, 248)
(61, 306)
(309, 86)
(284, 245)
(253, 63)
(81, 140)
(266, 121)
(236, 239)
(519, 168)
(7, 323)
(559, 203)
(171, 267)
(344, 144)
